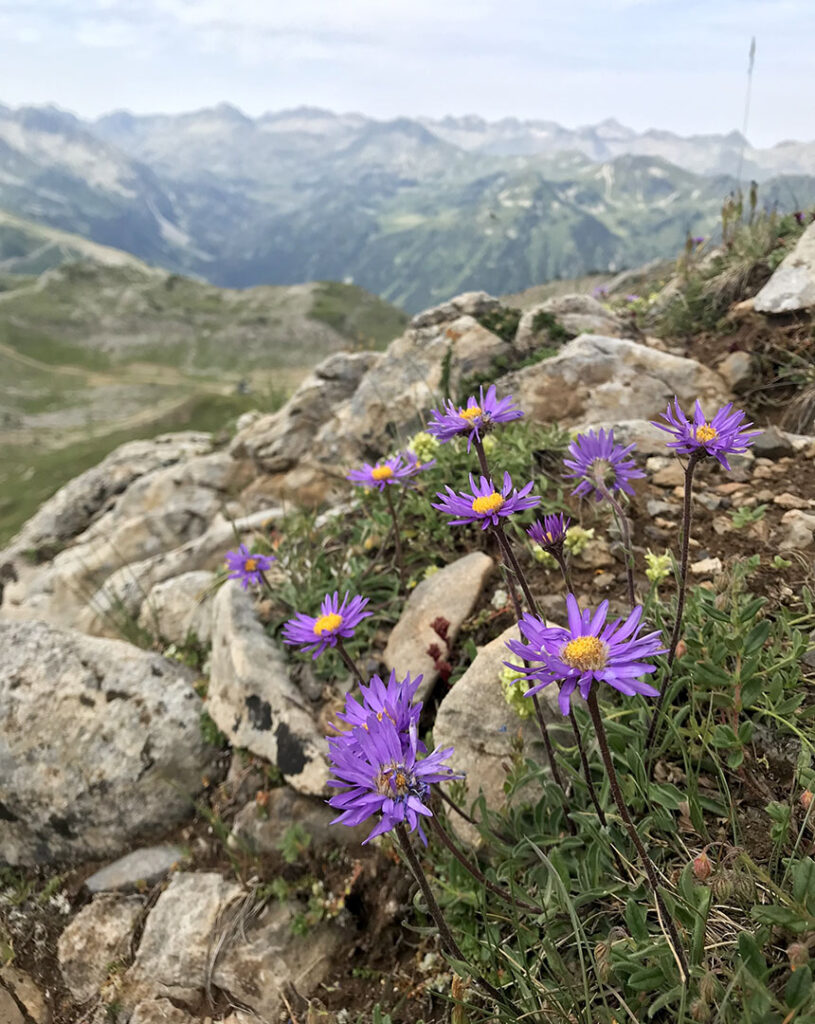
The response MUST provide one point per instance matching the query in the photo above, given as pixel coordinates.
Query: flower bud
(681, 649)
(702, 867)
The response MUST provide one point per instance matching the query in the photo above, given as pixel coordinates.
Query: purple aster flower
(380, 774)
(396, 470)
(246, 567)
(393, 700)
(726, 434)
(475, 419)
(596, 459)
(632, 298)
(699, 240)
(551, 533)
(336, 621)
(485, 505)
(589, 650)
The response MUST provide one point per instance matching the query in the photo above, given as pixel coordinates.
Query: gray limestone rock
(147, 864)
(98, 936)
(792, 286)
(476, 720)
(594, 378)
(252, 699)
(99, 742)
(450, 594)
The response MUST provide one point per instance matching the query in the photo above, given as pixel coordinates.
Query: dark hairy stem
(477, 874)
(349, 661)
(560, 558)
(482, 457)
(650, 871)
(514, 565)
(625, 533)
(397, 539)
(448, 942)
(586, 770)
(680, 598)
(468, 818)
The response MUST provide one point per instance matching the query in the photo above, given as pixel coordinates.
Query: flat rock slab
(145, 865)
(476, 720)
(253, 701)
(451, 595)
(792, 286)
(99, 743)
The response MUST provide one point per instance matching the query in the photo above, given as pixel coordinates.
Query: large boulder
(595, 378)
(792, 286)
(476, 720)
(100, 742)
(252, 699)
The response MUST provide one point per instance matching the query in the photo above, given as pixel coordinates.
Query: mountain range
(414, 210)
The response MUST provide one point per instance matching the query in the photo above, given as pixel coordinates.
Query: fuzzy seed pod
(722, 886)
(602, 957)
(806, 799)
(699, 1010)
(798, 954)
(708, 987)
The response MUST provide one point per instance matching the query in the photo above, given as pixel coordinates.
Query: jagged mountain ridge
(415, 210)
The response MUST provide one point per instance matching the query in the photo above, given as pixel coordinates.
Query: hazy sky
(675, 64)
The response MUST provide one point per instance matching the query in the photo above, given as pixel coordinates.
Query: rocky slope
(101, 752)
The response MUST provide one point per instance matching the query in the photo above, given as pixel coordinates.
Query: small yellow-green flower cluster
(659, 566)
(424, 446)
(513, 687)
(577, 538)
(543, 557)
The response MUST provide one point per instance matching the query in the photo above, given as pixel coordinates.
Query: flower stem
(477, 874)
(503, 542)
(446, 936)
(680, 599)
(586, 770)
(397, 538)
(650, 871)
(625, 533)
(349, 661)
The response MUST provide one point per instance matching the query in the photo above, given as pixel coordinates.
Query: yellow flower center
(381, 472)
(587, 653)
(400, 781)
(250, 564)
(326, 623)
(471, 413)
(706, 433)
(489, 503)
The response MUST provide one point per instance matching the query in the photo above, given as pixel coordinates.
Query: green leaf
(757, 637)
(798, 987)
(735, 759)
(803, 882)
(785, 917)
(646, 979)
(751, 691)
(750, 953)
(636, 920)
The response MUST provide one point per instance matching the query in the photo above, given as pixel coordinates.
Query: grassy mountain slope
(93, 354)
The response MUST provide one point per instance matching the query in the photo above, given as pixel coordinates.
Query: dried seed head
(709, 987)
(806, 799)
(699, 1010)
